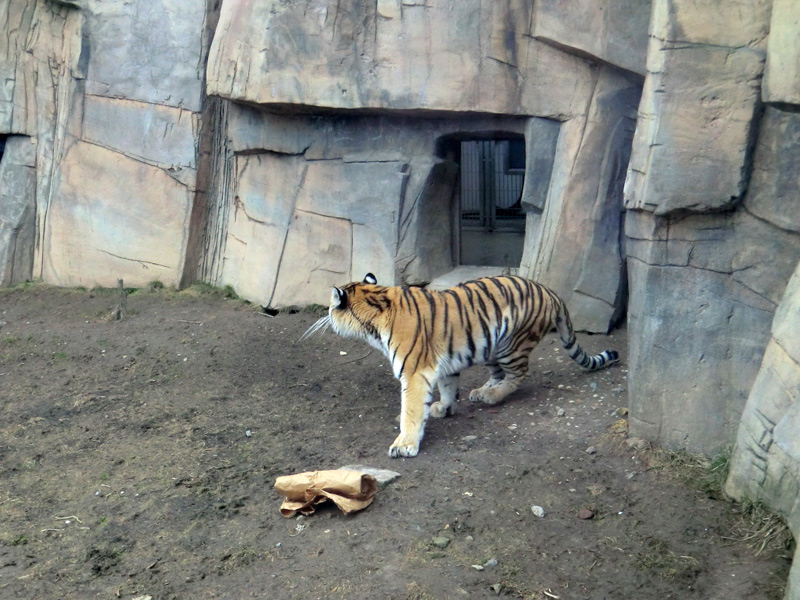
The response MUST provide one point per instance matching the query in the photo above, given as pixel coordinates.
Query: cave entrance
(496, 191)
(491, 219)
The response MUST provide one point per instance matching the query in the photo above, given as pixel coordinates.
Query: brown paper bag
(349, 490)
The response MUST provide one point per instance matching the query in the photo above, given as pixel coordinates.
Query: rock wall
(40, 65)
(766, 461)
(110, 95)
(765, 464)
(137, 175)
(313, 141)
(585, 203)
(303, 204)
(17, 210)
(419, 65)
(463, 56)
(710, 243)
(713, 230)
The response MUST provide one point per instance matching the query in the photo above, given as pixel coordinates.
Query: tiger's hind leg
(514, 368)
(497, 375)
(448, 394)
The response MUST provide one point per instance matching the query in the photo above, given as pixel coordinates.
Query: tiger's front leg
(416, 398)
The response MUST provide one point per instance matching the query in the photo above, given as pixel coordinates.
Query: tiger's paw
(439, 410)
(476, 395)
(488, 395)
(402, 448)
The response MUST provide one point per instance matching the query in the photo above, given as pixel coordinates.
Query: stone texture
(585, 203)
(317, 257)
(765, 464)
(38, 35)
(710, 22)
(774, 184)
(17, 210)
(687, 333)
(541, 137)
(112, 218)
(41, 73)
(700, 307)
(772, 414)
(709, 284)
(143, 95)
(782, 74)
(612, 31)
(419, 56)
(392, 179)
(403, 65)
(127, 77)
(297, 227)
(367, 195)
(146, 51)
(16, 87)
(692, 142)
(158, 135)
(256, 230)
(425, 245)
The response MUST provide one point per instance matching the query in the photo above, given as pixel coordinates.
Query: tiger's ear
(370, 278)
(338, 298)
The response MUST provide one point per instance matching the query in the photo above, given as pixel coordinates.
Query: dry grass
(759, 528)
(661, 560)
(763, 531)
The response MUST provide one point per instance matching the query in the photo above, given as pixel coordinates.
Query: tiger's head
(355, 310)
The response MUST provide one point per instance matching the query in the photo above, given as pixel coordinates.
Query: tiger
(431, 336)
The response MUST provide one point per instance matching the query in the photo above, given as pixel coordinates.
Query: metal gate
(492, 231)
(491, 185)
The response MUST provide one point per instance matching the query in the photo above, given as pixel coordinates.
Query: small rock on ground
(383, 476)
(637, 443)
(596, 489)
(441, 542)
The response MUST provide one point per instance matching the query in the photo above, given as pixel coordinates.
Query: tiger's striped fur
(431, 336)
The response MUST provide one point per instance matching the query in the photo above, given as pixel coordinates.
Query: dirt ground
(138, 456)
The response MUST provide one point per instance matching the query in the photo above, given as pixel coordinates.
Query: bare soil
(137, 458)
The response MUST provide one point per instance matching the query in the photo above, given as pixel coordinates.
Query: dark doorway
(492, 221)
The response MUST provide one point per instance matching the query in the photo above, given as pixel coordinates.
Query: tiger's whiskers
(320, 325)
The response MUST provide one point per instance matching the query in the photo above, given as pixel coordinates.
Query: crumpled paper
(350, 490)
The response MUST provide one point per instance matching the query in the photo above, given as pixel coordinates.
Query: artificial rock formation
(765, 464)
(110, 98)
(766, 461)
(712, 230)
(316, 140)
(406, 70)
(393, 55)
(303, 204)
(708, 254)
(585, 202)
(126, 102)
(17, 210)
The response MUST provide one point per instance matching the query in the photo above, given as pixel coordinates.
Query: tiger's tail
(573, 348)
